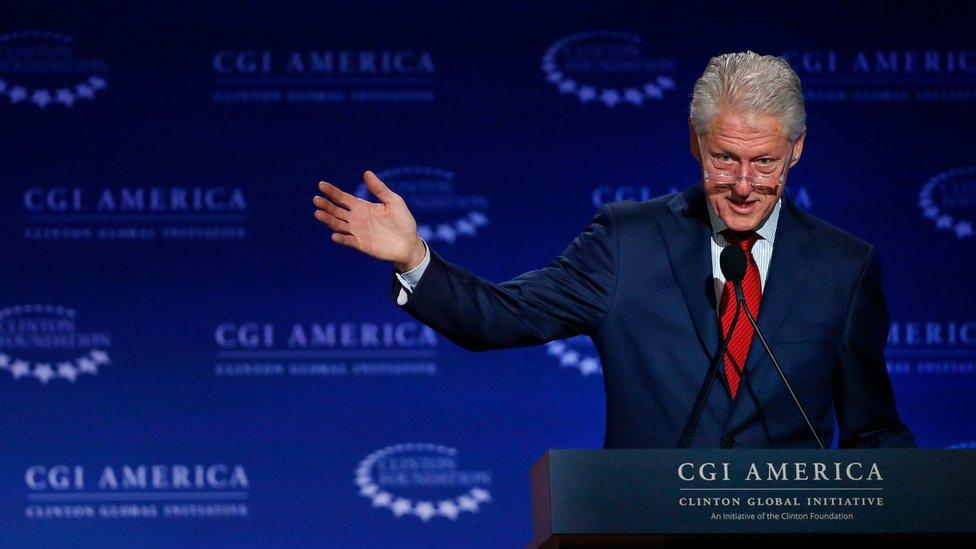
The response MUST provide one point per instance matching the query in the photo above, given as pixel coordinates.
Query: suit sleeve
(865, 404)
(569, 296)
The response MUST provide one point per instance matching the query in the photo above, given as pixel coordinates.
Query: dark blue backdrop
(187, 359)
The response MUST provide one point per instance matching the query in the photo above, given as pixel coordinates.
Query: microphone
(731, 264)
(736, 271)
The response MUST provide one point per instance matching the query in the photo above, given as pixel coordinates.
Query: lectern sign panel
(760, 491)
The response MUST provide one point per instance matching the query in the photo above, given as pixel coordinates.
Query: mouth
(743, 207)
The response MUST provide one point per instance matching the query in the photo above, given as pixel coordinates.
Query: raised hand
(385, 230)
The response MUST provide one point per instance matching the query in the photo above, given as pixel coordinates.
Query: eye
(765, 161)
(723, 157)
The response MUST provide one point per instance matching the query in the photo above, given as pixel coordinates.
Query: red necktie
(738, 349)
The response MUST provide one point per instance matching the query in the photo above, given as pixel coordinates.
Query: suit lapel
(687, 237)
(793, 253)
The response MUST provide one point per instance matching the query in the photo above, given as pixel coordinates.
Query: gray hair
(749, 82)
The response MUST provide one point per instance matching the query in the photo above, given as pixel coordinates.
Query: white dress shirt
(409, 279)
(762, 251)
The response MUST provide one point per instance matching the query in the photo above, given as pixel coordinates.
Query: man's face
(745, 145)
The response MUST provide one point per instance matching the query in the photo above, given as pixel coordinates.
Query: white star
(84, 91)
(3, 85)
(944, 222)
(554, 77)
(931, 212)
(466, 227)
(964, 228)
(425, 232)
(17, 94)
(478, 218)
(569, 358)
(568, 86)
(665, 82)
(99, 356)
(97, 82)
(67, 371)
(41, 98)
(43, 372)
(382, 499)
(653, 91)
(446, 233)
(589, 366)
(480, 494)
(4, 361)
(610, 97)
(369, 490)
(468, 503)
(85, 365)
(587, 93)
(634, 96)
(19, 368)
(425, 510)
(555, 348)
(65, 96)
(447, 509)
(401, 507)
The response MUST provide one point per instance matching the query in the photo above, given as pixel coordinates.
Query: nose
(742, 187)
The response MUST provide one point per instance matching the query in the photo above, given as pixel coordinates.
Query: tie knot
(744, 240)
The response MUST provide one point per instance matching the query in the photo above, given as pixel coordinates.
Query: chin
(736, 220)
(739, 223)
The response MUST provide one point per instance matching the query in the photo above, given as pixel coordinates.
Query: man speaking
(683, 364)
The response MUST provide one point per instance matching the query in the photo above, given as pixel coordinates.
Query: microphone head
(733, 262)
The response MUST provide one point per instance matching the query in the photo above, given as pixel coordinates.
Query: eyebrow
(763, 155)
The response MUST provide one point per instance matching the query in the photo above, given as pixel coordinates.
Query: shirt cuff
(411, 278)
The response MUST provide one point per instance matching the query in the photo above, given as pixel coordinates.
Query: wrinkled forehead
(745, 130)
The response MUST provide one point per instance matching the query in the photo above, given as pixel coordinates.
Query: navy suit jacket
(638, 281)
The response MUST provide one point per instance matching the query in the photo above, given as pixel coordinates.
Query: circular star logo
(42, 342)
(608, 67)
(421, 480)
(449, 215)
(949, 200)
(41, 68)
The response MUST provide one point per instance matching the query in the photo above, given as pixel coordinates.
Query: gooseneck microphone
(731, 264)
(737, 270)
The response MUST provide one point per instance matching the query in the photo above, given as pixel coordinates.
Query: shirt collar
(766, 229)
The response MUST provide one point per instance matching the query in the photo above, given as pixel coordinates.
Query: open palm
(385, 230)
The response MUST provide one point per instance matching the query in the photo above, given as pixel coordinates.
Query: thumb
(378, 188)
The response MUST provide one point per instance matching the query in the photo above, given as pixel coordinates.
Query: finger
(337, 195)
(332, 221)
(378, 188)
(323, 204)
(345, 240)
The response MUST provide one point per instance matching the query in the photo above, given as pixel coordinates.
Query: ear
(798, 148)
(693, 141)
